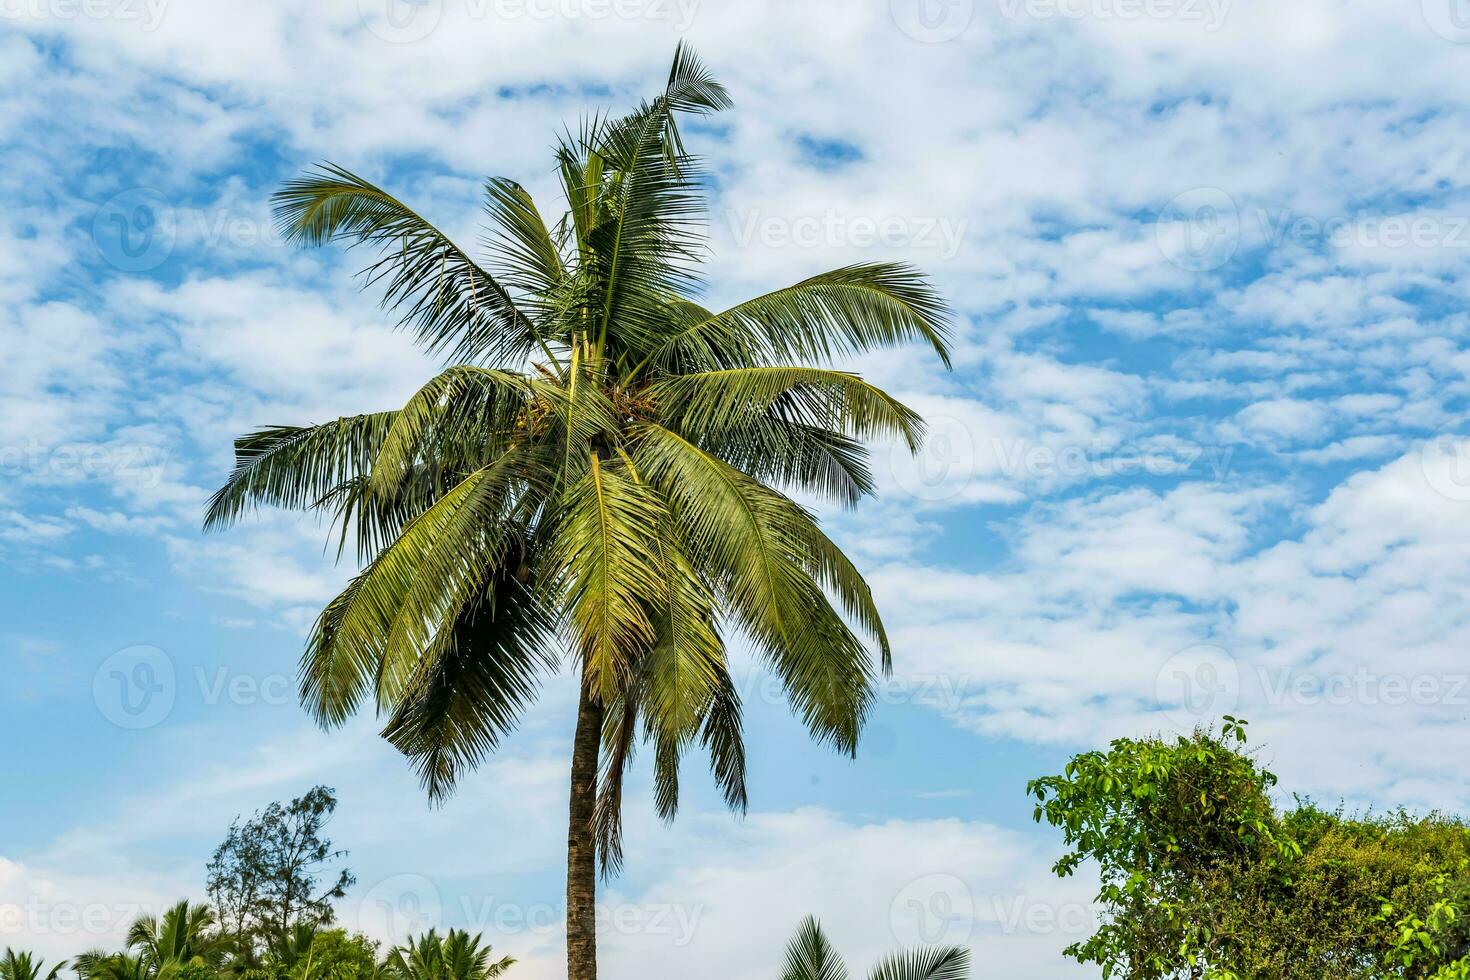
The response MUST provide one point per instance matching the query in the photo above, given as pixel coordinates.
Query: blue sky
(1203, 448)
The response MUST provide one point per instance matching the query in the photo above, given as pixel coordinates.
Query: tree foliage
(21, 965)
(278, 869)
(1203, 877)
(810, 956)
(454, 956)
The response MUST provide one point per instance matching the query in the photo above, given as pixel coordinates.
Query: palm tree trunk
(581, 843)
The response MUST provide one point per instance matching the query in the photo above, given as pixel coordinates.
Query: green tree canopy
(1203, 877)
(276, 870)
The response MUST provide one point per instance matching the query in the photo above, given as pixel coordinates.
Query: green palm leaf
(296, 467)
(753, 540)
(948, 963)
(450, 303)
(836, 314)
(809, 956)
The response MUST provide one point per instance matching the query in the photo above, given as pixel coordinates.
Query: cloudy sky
(1201, 450)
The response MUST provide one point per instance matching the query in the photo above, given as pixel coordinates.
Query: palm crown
(605, 464)
(810, 956)
(456, 956)
(24, 966)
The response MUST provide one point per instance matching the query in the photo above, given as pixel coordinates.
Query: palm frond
(461, 419)
(296, 467)
(450, 303)
(712, 403)
(619, 743)
(472, 684)
(797, 457)
(721, 736)
(753, 541)
(527, 258)
(374, 634)
(610, 571)
(946, 963)
(836, 314)
(648, 237)
(809, 956)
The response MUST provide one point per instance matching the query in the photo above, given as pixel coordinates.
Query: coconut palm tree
(101, 965)
(184, 935)
(603, 468)
(24, 966)
(456, 956)
(159, 946)
(810, 956)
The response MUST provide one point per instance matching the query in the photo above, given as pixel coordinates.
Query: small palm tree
(602, 471)
(457, 956)
(24, 966)
(159, 947)
(811, 957)
(294, 946)
(101, 965)
(184, 935)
